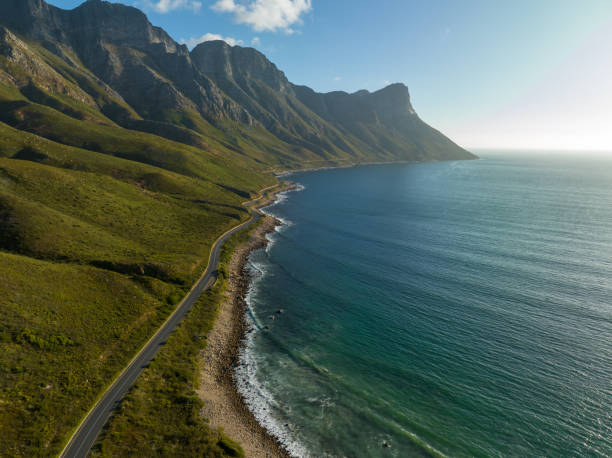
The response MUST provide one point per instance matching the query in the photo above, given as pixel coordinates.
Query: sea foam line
(257, 398)
(283, 196)
(280, 198)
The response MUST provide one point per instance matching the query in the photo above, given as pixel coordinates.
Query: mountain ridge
(123, 156)
(171, 88)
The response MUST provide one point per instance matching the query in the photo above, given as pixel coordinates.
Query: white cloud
(255, 41)
(194, 41)
(337, 78)
(265, 15)
(165, 6)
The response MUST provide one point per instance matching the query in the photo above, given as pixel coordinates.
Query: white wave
(285, 223)
(256, 271)
(280, 198)
(257, 398)
(283, 196)
(271, 241)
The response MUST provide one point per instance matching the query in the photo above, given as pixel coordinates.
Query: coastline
(224, 406)
(289, 172)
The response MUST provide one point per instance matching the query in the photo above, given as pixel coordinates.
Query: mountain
(123, 156)
(382, 125)
(233, 94)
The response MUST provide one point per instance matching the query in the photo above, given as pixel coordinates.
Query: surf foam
(257, 398)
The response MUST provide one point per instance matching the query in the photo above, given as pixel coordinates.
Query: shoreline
(349, 165)
(224, 406)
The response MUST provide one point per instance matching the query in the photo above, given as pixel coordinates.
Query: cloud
(194, 41)
(255, 41)
(165, 6)
(337, 78)
(265, 15)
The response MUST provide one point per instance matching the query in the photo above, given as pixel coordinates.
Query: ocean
(452, 308)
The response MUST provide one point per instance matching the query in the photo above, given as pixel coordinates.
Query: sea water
(454, 308)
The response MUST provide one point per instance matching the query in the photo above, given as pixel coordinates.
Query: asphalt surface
(85, 436)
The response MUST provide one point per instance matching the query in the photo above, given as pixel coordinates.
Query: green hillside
(123, 156)
(95, 251)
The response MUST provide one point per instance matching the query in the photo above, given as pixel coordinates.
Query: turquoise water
(455, 308)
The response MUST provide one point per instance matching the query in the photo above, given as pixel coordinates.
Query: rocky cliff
(152, 83)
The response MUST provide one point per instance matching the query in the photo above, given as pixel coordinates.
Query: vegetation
(122, 158)
(95, 251)
(161, 414)
(102, 231)
(65, 331)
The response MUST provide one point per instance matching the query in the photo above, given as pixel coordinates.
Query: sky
(520, 74)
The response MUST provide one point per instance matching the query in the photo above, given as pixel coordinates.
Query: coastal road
(85, 435)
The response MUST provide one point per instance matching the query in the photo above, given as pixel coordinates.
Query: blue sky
(512, 74)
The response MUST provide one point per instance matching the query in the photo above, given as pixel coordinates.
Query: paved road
(84, 437)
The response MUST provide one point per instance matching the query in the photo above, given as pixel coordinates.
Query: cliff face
(382, 124)
(220, 60)
(33, 18)
(148, 68)
(152, 81)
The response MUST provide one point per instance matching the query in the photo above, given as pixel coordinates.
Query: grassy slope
(95, 250)
(141, 147)
(161, 414)
(66, 330)
(123, 210)
(102, 231)
(103, 227)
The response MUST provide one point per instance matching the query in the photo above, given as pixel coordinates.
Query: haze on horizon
(513, 75)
